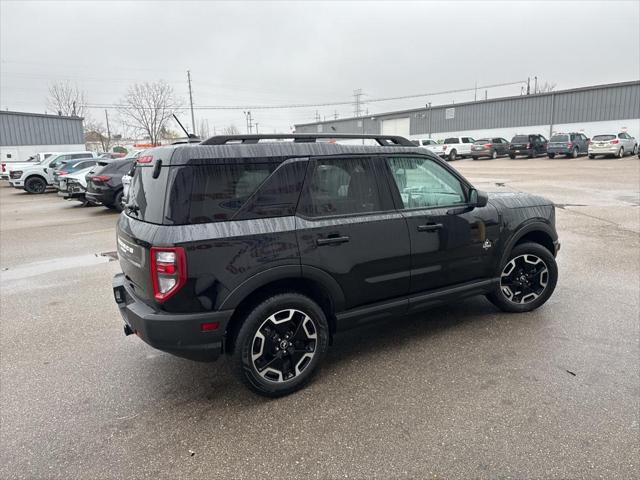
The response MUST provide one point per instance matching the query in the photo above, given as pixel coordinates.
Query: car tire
(551, 155)
(494, 155)
(538, 284)
(635, 149)
(620, 152)
(512, 157)
(592, 156)
(35, 185)
(474, 158)
(117, 202)
(270, 323)
(574, 153)
(453, 155)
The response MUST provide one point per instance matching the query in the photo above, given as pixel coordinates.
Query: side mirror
(478, 198)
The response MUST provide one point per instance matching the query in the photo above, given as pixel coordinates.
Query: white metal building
(24, 134)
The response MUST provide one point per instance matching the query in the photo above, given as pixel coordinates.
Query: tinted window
(559, 138)
(520, 139)
(467, 140)
(602, 138)
(80, 155)
(424, 183)
(278, 195)
(451, 140)
(118, 166)
(342, 186)
(482, 141)
(496, 140)
(211, 193)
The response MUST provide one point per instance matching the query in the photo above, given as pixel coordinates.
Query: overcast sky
(274, 53)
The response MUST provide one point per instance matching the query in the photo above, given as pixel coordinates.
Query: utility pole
(357, 102)
(528, 85)
(193, 118)
(317, 116)
(247, 116)
(335, 114)
(475, 92)
(256, 124)
(535, 89)
(106, 115)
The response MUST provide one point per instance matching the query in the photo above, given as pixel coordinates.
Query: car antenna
(189, 135)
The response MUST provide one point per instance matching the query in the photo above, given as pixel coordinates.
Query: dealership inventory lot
(458, 391)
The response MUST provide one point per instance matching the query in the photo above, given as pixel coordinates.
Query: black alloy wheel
(281, 344)
(35, 185)
(527, 279)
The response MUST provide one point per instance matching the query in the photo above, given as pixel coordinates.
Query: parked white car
(6, 167)
(74, 185)
(616, 145)
(36, 178)
(452, 148)
(426, 143)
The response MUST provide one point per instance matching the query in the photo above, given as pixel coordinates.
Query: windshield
(559, 138)
(602, 138)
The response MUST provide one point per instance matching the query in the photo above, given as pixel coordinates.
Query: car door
(347, 227)
(451, 243)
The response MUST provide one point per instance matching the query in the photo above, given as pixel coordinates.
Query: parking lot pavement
(457, 392)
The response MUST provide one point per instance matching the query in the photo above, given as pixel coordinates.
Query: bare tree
(95, 132)
(231, 130)
(67, 99)
(148, 107)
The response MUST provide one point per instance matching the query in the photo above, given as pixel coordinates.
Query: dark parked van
(263, 249)
(530, 145)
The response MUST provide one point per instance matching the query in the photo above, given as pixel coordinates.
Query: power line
(325, 104)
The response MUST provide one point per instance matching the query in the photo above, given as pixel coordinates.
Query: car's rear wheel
(35, 185)
(574, 153)
(494, 155)
(453, 155)
(511, 156)
(527, 279)
(551, 155)
(621, 152)
(592, 156)
(281, 344)
(474, 158)
(635, 149)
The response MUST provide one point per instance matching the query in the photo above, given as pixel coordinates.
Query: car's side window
(342, 186)
(423, 183)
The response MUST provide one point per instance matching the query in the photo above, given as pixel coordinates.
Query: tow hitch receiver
(128, 330)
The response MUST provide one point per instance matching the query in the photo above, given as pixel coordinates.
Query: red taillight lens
(616, 141)
(101, 178)
(487, 145)
(209, 326)
(145, 159)
(63, 173)
(168, 271)
(4, 167)
(569, 145)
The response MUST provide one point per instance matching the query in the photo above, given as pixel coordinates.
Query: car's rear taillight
(569, 145)
(63, 173)
(145, 159)
(615, 142)
(101, 178)
(4, 167)
(487, 145)
(168, 271)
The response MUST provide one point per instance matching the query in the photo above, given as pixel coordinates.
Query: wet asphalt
(462, 391)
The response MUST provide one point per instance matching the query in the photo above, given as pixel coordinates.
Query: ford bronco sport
(263, 249)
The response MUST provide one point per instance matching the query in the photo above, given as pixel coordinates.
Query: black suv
(264, 249)
(104, 185)
(530, 145)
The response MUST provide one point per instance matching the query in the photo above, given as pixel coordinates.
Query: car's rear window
(602, 138)
(451, 140)
(483, 140)
(559, 138)
(520, 139)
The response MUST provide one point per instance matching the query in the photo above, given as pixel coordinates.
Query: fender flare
(36, 175)
(528, 227)
(285, 272)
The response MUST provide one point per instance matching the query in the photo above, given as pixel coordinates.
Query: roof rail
(382, 140)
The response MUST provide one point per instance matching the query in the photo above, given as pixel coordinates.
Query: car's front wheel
(527, 279)
(281, 344)
(35, 185)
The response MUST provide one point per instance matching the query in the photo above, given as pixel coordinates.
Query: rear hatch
(600, 141)
(559, 142)
(520, 142)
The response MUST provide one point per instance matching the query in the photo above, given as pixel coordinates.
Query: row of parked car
(85, 176)
(532, 145)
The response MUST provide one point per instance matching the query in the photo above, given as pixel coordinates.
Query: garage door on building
(396, 126)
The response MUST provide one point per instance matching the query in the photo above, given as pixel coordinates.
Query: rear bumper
(604, 151)
(177, 333)
(104, 198)
(522, 151)
(559, 150)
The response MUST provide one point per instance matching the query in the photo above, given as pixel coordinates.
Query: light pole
(429, 108)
